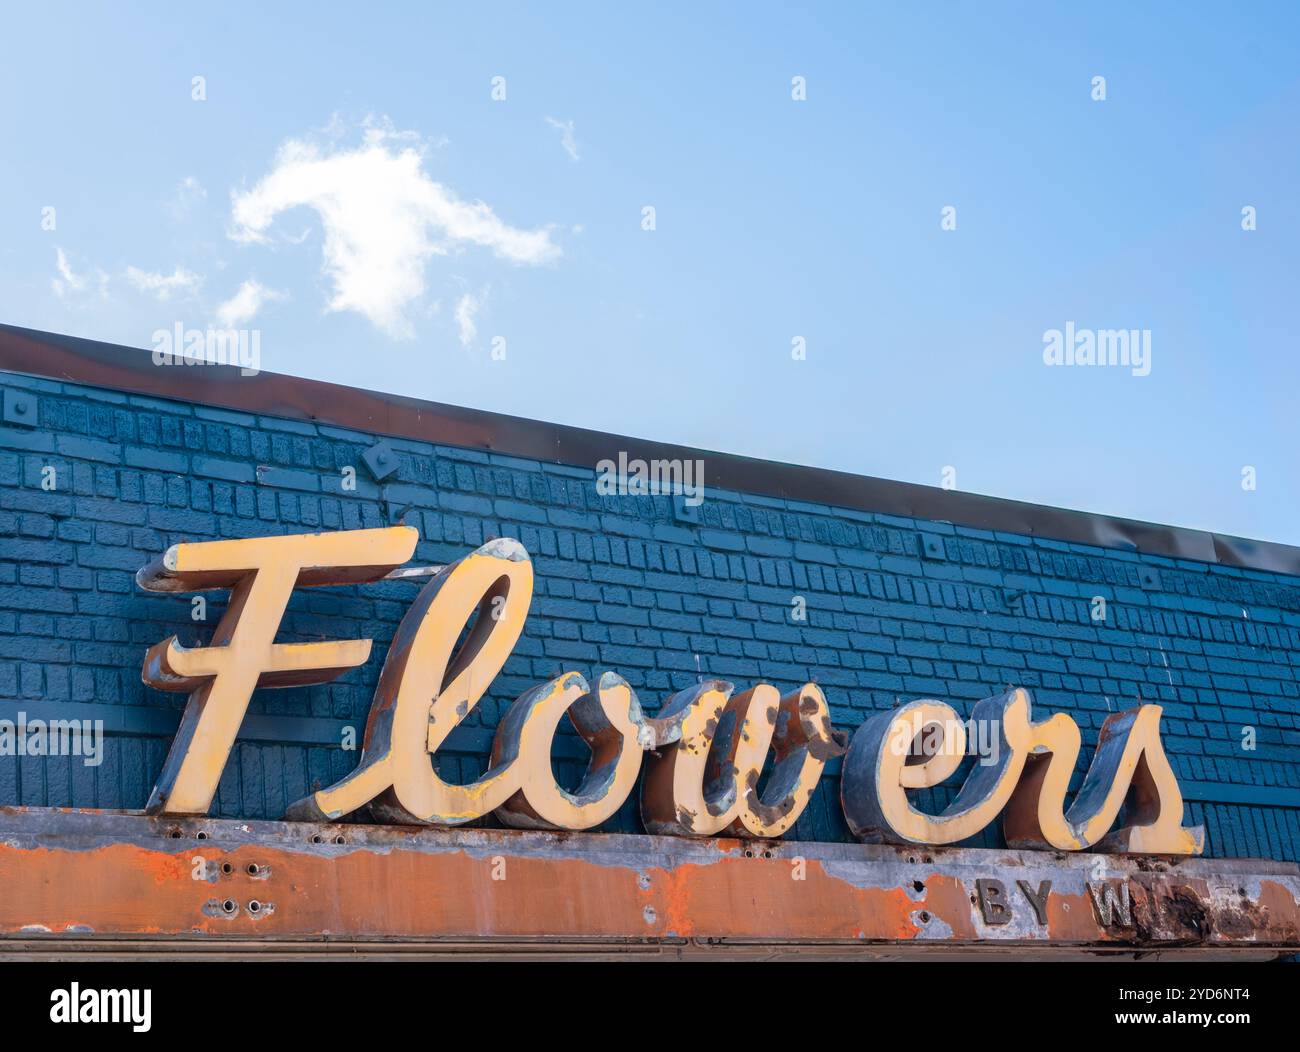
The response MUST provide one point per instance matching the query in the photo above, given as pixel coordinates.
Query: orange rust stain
(1071, 918)
(165, 868)
(370, 893)
(126, 889)
(740, 898)
(117, 887)
(948, 898)
(1280, 912)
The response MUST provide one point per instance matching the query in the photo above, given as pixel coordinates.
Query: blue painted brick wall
(622, 584)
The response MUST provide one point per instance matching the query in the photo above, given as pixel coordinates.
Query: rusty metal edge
(70, 827)
(109, 950)
(77, 831)
(130, 370)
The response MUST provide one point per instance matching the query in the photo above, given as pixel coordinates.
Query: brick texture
(622, 583)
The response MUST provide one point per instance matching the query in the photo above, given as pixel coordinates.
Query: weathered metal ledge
(96, 884)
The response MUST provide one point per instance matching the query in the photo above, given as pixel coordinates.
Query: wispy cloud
(245, 304)
(467, 307)
(70, 286)
(567, 139)
(68, 280)
(383, 218)
(179, 282)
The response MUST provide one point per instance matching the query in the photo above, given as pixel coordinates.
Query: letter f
(261, 573)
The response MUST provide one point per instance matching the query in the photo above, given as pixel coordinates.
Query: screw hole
(174, 834)
(917, 886)
(227, 868)
(202, 834)
(339, 840)
(255, 907)
(229, 906)
(924, 917)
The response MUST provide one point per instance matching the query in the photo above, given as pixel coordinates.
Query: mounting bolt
(932, 547)
(19, 408)
(381, 460)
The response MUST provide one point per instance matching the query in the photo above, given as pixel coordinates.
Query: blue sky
(350, 188)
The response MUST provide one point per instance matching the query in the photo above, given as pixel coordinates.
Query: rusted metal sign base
(110, 884)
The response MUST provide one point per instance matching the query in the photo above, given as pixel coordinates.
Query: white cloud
(466, 308)
(164, 286)
(243, 306)
(567, 139)
(70, 285)
(67, 280)
(383, 219)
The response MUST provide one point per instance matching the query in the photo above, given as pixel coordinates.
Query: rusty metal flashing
(131, 370)
(104, 884)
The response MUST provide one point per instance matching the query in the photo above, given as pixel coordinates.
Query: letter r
(261, 573)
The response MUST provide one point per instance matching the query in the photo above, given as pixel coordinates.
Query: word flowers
(705, 755)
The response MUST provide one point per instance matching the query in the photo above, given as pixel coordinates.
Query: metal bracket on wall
(684, 512)
(19, 408)
(932, 547)
(381, 460)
